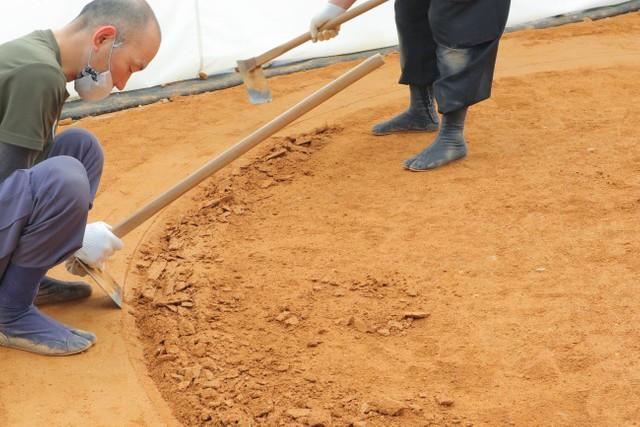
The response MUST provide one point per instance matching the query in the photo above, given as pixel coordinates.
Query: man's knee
(58, 206)
(79, 143)
(452, 60)
(62, 180)
(76, 136)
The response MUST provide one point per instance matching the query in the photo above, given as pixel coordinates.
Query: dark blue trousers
(43, 209)
(452, 45)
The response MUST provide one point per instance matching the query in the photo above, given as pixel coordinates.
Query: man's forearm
(345, 4)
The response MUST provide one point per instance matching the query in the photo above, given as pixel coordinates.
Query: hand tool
(107, 283)
(251, 69)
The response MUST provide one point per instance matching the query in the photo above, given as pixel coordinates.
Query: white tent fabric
(227, 31)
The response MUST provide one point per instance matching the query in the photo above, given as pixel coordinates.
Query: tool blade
(105, 282)
(257, 86)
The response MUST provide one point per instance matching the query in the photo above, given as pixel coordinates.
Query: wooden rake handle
(303, 38)
(247, 143)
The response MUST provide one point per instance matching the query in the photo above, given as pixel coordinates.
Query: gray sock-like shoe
(448, 146)
(53, 291)
(24, 327)
(420, 117)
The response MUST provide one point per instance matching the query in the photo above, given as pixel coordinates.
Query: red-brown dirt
(316, 282)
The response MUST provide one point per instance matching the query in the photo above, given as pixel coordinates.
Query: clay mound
(223, 353)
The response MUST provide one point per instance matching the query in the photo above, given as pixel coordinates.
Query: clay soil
(316, 282)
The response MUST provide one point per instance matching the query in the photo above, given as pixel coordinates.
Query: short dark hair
(128, 16)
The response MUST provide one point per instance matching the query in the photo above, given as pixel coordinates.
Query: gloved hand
(72, 265)
(329, 12)
(98, 244)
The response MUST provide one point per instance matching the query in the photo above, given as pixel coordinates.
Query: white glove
(98, 244)
(329, 12)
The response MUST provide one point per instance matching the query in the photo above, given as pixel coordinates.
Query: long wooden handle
(303, 38)
(248, 143)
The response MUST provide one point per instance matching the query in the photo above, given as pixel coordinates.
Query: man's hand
(329, 12)
(98, 245)
(72, 265)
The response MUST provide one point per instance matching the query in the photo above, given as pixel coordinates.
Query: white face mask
(94, 86)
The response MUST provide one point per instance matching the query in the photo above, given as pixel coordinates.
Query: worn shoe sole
(41, 349)
(374, 133)
(409, 168)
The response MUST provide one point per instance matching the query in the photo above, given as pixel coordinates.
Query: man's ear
(104, 34)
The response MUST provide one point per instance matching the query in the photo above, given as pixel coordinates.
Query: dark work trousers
(43, 209)
(452, 45)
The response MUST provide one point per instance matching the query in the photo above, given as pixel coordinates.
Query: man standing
(48, 182)
(448, 51)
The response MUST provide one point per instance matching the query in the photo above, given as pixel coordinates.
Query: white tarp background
(241, 29)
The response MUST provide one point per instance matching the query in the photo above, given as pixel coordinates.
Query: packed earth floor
(316, 282)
